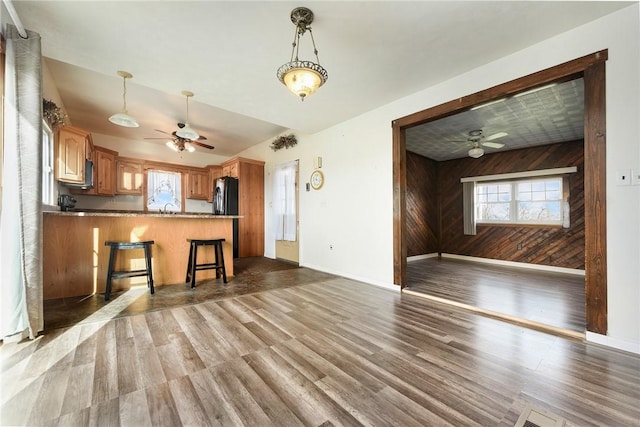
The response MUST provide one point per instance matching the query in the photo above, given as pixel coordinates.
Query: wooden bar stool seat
(112, 274)
(192, 263)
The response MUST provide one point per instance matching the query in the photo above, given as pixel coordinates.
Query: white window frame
(511, 187)
(469, 183)
(48, 181)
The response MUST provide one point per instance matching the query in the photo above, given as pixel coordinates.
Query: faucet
(165, 208)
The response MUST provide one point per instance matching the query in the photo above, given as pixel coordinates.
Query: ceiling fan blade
(161, 131)
(492, 144)
(200, 144)
(496, 136)
(202, 138)
(164, 139)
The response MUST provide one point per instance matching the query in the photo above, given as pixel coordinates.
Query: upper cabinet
(72, 147)
(129, 176)
(105, 171)
(231, 168)
(198, 184)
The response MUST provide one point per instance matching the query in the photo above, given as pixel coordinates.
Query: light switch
(623, 177)
(635, 177)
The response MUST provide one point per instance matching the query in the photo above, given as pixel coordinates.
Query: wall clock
(317, 179)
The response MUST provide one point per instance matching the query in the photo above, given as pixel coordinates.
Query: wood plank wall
(558, 247)
(422, 207)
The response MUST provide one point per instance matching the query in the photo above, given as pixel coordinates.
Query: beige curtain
(468, 207)
(21, 216)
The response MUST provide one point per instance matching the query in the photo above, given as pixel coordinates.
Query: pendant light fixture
(123, 118)
(302, 77)
(186, 132)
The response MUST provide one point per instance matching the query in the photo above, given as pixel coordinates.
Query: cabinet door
(198, 184)
(230, 169)
(70, 152)
(129, 177)
(105, 173)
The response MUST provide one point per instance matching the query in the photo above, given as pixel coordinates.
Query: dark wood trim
(399, 206)
(591, 67)
(595, 198)
(563, 72)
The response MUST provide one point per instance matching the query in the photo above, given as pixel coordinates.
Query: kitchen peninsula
(75, 258)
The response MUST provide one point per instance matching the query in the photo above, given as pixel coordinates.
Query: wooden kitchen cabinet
(231, 168)
(129, 176)
(105, 171)
(198, 184)
(70, 150)
(250, 174)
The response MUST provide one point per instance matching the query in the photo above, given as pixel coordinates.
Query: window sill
(497, 224)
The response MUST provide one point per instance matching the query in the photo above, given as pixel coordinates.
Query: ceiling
(546, 115)
(227, 53)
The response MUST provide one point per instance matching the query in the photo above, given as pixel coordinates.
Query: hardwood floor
(324, 353)
(546, 298)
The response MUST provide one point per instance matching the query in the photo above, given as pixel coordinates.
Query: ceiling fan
(477, 139)
(179, 144)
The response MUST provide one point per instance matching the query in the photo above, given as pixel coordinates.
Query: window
(531, 201)
(47, 165)
(164, 191)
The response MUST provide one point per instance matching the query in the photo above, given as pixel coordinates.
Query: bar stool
(193, 266)
(111, 274)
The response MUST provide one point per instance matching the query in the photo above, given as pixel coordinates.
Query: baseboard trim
(539, 267)
(419, 257)
(565, 333)
(612, 342)
(390, 287)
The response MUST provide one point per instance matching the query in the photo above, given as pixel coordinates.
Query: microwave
(88, 177)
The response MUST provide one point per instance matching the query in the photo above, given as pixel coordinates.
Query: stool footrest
(132, 273)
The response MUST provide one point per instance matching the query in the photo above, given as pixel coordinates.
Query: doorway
(286, 208)
(592, 69)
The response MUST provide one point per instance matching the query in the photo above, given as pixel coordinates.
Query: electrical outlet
(623, 177)
(635, 177)
(519, 246)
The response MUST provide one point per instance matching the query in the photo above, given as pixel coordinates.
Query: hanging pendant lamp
(302, 77)
(123, 118)
(186, 132)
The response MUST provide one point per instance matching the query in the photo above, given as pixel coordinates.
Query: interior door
(289, 250)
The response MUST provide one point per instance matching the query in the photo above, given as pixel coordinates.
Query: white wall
(354, 212)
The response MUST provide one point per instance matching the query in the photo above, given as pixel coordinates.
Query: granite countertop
(141, 213)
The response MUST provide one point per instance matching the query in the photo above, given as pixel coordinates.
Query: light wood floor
(328, 353)
(548, 298)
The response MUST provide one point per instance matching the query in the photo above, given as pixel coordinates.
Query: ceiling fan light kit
(179, 145)
(123, 118)
(302, 77)
(476, 152)
(187, 132)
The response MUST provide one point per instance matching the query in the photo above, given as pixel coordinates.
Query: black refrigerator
(225, 202)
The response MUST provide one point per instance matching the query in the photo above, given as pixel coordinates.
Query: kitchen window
(164, 191)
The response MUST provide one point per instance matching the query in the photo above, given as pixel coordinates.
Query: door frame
(592, 69)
